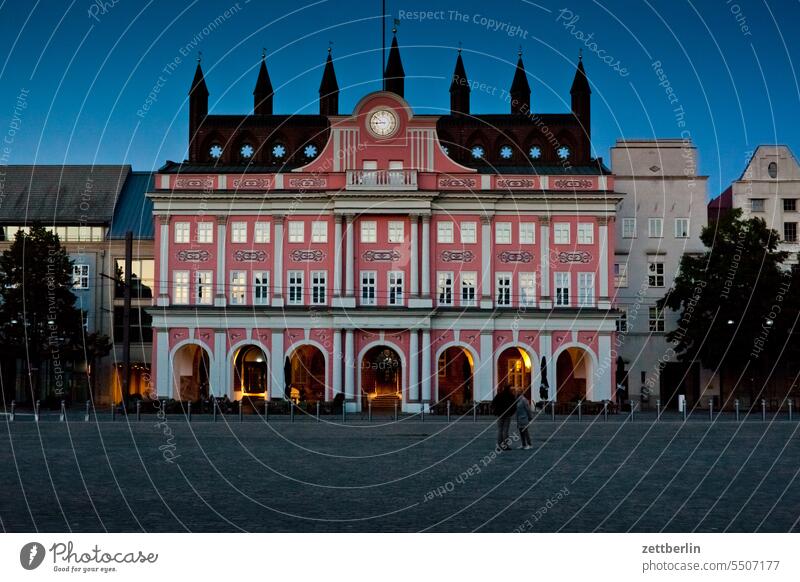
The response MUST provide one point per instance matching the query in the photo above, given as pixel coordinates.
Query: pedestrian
(503, 409)
(524, 418)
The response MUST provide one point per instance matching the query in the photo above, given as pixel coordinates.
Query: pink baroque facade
(382, 269)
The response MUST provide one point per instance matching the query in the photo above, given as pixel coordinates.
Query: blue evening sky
(75, 74)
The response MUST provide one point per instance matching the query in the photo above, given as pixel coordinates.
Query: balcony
(388, 180)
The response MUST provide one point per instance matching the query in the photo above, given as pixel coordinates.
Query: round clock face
(383, 122)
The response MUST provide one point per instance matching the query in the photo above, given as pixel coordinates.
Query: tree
(38, 318)
(736, 304)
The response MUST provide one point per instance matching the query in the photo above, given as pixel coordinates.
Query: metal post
(189, 411)
(790, 410)
(736, 407)
(344, 411)
(214, 408)
(580, 413)
(605, 409)
(684, 411)
(633, 409)
(763, 409)
(88, 408)
(369, 410)
(138, 411)
(448, 411)
(241, 415)
(113, 412)
(553, 410)
(13, 410)
(422, 411)
(711, 409)
(395, 410)
(126, 318)
(658, 409)
(474, 412)
(36, 410)
(164, 408)
(266, 410)
(291, 410)
(63, 415)
(317, 410)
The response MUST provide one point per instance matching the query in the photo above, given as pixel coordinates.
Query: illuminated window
(181, 232)
(238, 287)
(502, 233)
(80, 276)
(369, 231)
(469, 232)
(296, 231)
(239, 232)
(527, 289)
(180, 287)
(444, 232)
(262, 232)
(205, 232)
(586, 289)
(527, 233)
(319, 231)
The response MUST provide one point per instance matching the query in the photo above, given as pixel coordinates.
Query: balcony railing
(381, 179)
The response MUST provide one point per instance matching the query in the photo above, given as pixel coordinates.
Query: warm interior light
(527, 359)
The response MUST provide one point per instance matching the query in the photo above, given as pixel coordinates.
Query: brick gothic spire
(520, 92)
(329, 89)
(459, 89)
(394, 75)
(263, 93)
(581, 95)
(198, 105)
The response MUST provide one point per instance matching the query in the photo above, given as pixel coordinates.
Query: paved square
(406, 476)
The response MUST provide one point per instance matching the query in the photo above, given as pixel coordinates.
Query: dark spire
(329, 89)
(459, 88)
(581, 98)
(263, 93)
(520, 92)
(198, 106)
(394, 75)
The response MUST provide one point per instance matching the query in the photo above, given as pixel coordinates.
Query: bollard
(448, 411)
(344, 412)
(763, 410)
(475, 412)
(241, 412)
(605, 409)
(138, 411)
(63, 415)
(553, 410)
(633, 409)
(658, 409)
(88, 408)
(369, 410)
(189, 411)
(790, 410)
(736, 408)
(711, 409)
(291, 410)
(684, 411)
(266, 411)
(164, 409)
(36, 410)
(214, 409)
(580, 412)
(113, 412)
(317, 410)
(422, 411)
(13, 410)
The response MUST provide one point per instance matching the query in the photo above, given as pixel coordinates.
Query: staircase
(385, 403)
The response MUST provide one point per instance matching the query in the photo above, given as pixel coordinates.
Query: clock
(383, 122)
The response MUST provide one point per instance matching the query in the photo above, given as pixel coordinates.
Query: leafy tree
(38, 318)
(737, 300)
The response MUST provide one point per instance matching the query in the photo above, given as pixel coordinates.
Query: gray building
(659, 220)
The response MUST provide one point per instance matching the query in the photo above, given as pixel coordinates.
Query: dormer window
(772, 170)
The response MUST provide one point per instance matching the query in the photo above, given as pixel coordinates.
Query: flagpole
(383, 46)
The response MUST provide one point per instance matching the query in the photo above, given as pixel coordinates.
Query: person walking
(524, 418)
(503, 409)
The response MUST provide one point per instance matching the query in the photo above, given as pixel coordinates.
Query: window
(205, 232)
(790, 232)
(262, 232)
(368, 282)
(395, 287)
(656, 319)
(655, 227)
(295, 287)
(369, 231)
(527, 233)
(181, 232)
(772, 170)
(261, 288)
(469, 284)
(620, 274)
(239, 232)
(204, 290)
(503, 284)
(790, 204)
(444, 232)
(80, 276)
(585, 233)
(319, 280)
(586, 289)
(445, 288)
(319, 231)
(238, 287)
(561, 233)
(622, 320)
(527, 289)
(628, 228)
(297, 232)
(655, 273)
(396, 231)
(502, 233)
(469, 233)
(142, 278)
(180, 287)
(757, 204)
(562, 289)
(681, 228)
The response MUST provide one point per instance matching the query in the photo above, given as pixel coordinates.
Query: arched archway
(250, 372)
(455, 367)
(515, 368)
(573, 375)
(381, 377)
(190, 372)
(306, 381)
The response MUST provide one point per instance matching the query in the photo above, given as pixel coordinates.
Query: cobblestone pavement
(408, 476)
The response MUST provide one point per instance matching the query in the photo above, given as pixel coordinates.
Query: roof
(559, 170)
(134, 210)
(60, 194)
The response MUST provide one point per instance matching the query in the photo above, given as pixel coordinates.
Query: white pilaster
(350, 369)
(337, 258)
(414, 259)
(222, 228)
(546, 301)
(350, 257)
(484, 387)
(220, 378)
(603, 258)
(426, 367)
(277, 386)
(337, 362)
(277, 267)
(487, 285)
(602, 387)
(413, 365)
(163, 263)
(163, 365)
(426, 258)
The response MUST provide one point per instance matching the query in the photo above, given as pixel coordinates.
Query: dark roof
(199, 168)
(60, 194)
(134, 210)
(598, 168)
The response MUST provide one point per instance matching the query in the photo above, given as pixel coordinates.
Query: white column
(349, 366)
(413, 365)
(414, 258)
(426, 367)
(603, 258)
(349, 256)
(337, 362)
(487, 285)
(484, 387)
(277, 265)
(277, 386)
(337, 258)
(602, 388)
(220, 375)
(163, 365)
(426, 258)
(222, 231)
(163, 263)
(546, 301)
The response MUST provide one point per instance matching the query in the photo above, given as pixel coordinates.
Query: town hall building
(389, 257)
